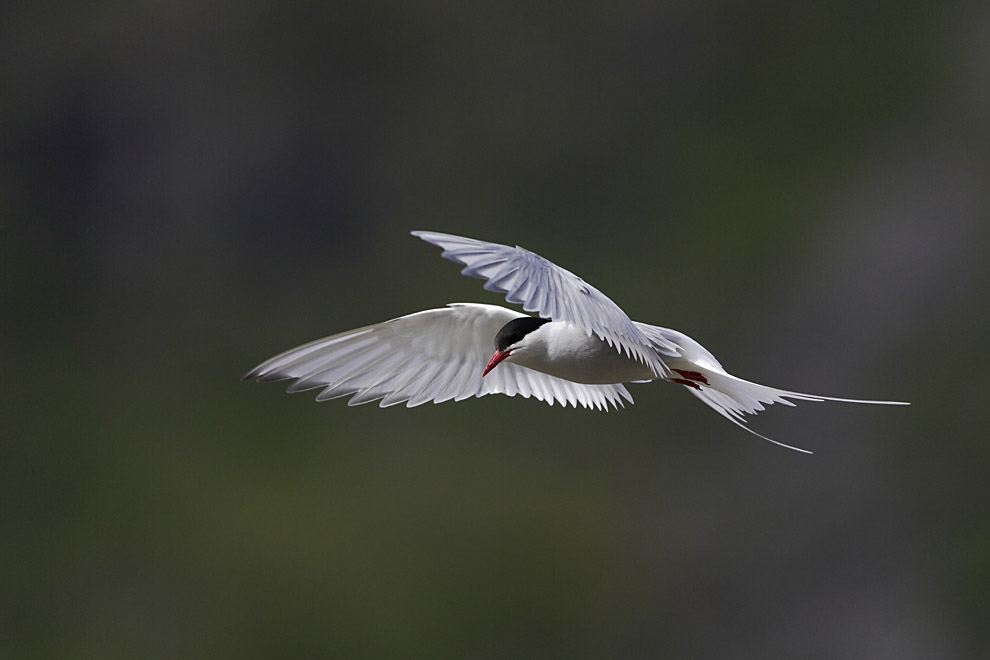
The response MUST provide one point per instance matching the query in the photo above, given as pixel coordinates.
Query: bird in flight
(579, 349)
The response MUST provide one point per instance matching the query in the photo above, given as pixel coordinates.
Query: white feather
(435, 355)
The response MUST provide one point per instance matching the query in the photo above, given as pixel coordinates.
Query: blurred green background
(189, 188)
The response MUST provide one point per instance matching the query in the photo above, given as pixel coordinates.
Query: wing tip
(434, 236)
(258, 372)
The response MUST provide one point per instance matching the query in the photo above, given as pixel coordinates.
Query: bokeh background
(191, 187)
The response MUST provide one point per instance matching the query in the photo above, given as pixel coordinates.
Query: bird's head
(512, 339)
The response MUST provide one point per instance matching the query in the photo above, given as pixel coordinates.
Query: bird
(575, 346)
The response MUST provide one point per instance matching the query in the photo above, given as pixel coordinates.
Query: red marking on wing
(691, 375)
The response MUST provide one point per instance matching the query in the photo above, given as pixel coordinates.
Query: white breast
(566, 351)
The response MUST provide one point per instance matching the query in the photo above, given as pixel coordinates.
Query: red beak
(498, 357)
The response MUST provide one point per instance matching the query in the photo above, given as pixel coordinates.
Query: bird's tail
(734, 397)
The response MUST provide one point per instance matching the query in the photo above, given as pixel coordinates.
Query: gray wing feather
(544, 288)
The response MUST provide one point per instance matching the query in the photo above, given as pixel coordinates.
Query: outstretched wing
(542, 287)
(435, 355)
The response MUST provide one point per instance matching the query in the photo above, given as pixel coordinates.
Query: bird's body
(566, 351)
(580, 350)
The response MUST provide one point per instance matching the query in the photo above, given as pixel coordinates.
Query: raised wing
(435, 355)
(544, 288)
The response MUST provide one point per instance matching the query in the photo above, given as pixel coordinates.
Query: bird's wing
(435, 355)
(544, 288)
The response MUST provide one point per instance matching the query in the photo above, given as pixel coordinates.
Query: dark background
(188, 188)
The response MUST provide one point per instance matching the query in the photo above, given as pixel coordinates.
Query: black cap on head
(515, 330)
